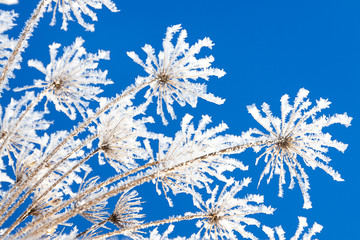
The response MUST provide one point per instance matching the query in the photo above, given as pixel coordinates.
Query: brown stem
(97, 225)
(151, 224)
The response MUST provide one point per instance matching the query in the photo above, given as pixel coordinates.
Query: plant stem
(97, 225)
(151, 224)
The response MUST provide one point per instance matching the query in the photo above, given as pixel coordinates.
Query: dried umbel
(127, 211)
(48, 168)
(71, 80)
(172, 74)
(224, 215)
(297, 134)
(119, 131)
(18, 130)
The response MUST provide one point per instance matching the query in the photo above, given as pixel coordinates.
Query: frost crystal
(297, 133)
(71, 78)
(172, 73)
(78, 8)
(316, 228)
(6, 45)
(227, 214)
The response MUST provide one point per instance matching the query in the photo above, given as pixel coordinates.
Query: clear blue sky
(267, 48)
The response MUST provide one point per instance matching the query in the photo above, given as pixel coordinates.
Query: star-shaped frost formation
(71, 79)
(173, 72)
(226, 214)
(297, 133)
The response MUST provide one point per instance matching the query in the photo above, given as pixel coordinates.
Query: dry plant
(52, 180)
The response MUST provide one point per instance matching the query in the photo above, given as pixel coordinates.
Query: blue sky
(268, 49)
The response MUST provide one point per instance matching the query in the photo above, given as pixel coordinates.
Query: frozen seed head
(224, 214)
(15, 135)
(172, 74)
(297, 135)
(119, 134)
(71, 80)
(127, 213)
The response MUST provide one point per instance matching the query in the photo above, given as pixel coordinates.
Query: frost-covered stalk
(15, 57)
(152, 224)
(13, 198)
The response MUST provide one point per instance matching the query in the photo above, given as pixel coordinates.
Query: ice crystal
(226, 214)
(6, 45)
(79, 7)
(316, 228)
(173, 72)
(297, 133)
(191, 143)
(70, 80)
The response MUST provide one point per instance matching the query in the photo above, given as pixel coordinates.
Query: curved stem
(97, 225)
(25, 34)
